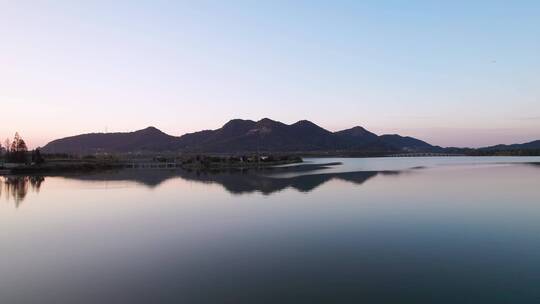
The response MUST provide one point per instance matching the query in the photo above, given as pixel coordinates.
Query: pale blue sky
(455, 73)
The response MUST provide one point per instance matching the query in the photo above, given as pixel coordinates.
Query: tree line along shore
(64, 163)
(36, 162)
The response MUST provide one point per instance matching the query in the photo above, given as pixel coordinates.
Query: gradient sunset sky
(453, 73)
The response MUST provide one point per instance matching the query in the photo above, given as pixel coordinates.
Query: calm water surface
(392, 230)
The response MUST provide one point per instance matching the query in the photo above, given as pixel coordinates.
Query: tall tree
(18, 144)
(18, 150)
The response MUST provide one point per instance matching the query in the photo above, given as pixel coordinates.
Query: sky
(453, 73)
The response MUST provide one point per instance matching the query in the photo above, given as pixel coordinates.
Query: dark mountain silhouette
(238, 136)
(264, 135)
(398, 142)
(360, 138)
(149, 139)
(357, 132)
(526, 146)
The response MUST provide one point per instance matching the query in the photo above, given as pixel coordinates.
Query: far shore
(58, 164)
(198, 162)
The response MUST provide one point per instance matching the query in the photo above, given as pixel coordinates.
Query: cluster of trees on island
(16, 151)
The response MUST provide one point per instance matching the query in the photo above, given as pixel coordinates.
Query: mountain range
(239, 136)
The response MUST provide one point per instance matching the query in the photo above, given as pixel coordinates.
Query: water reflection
(236, 182)
(305, 178)
(16, 187)
(248, 183)
(251, 180)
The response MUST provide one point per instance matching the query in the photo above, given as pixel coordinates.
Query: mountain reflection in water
(235, 182)
(239, 182)
(305, 178)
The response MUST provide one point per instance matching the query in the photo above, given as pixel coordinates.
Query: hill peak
(150, 130)
(305, 123)
(356, 132)
(237, 121)
(358, 128)
(266, 120)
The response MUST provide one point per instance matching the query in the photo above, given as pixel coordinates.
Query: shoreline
(202, 164)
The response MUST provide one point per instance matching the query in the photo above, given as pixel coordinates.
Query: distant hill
(238, 136)
(149, 139)
(360, 138)
(526, 146)
(407, 143)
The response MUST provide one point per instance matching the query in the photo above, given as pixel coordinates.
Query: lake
(371, 230)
